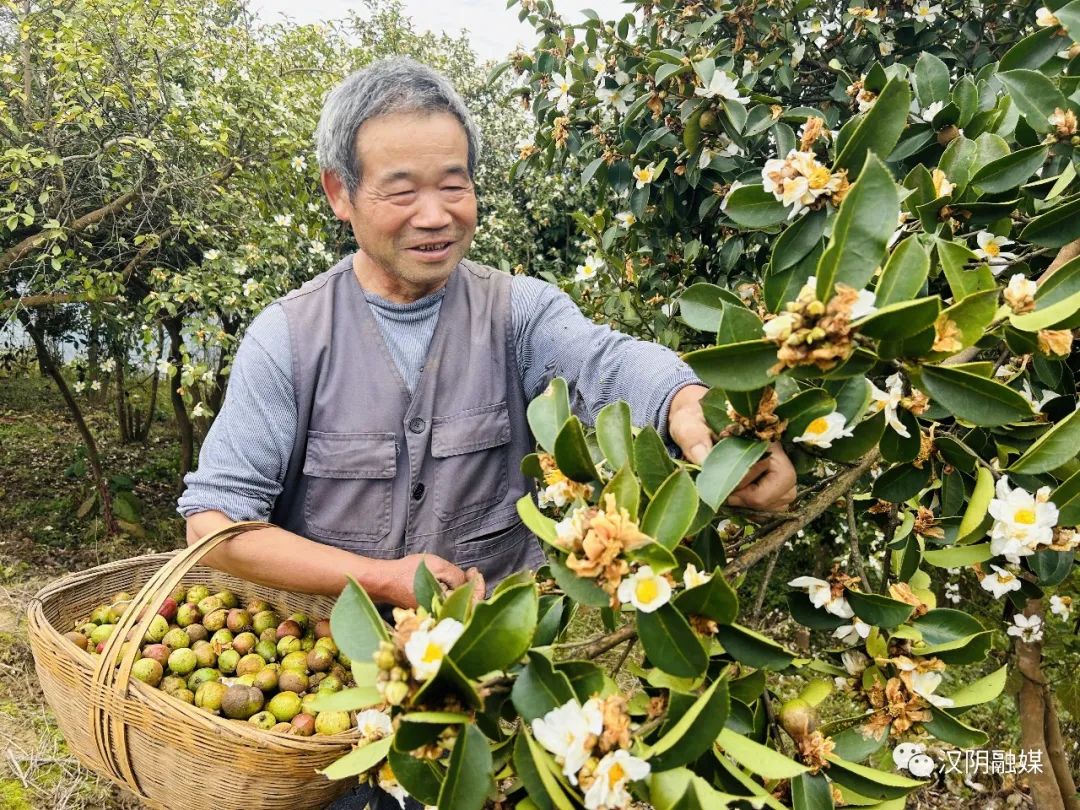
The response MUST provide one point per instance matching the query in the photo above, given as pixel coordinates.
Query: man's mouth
(433, 247)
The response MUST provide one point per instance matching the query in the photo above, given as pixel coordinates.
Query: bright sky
(493, 28)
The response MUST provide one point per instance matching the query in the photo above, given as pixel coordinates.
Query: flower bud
(798, 718)
(396, 692)
(398, 674)
(815, 308)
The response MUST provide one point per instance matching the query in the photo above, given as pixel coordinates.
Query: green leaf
(1067, 499)
(536, 521)
(972, 315)
(945, 625)
(347, 700)
(651, 459)
(948, 729)
(586, 678)
(877, 132)
(670, 643)
(869, 782)
(811, 791)
(797, 241)
(864, 437)
(736, 366)
(958, 556)
(1060, 285)
(548, 412)
(754, 207)
(1056, 227)
(958, 163)
(572, 452)
(626, 490)
(469, 777)
(655, 556)
(715, 600)
(804, 408)
(978, 506)
(1063, 313)
(1034, 95)
(737, 324)
(900, 482)
(425, 586)
(963, 282)
(877, 610)
(1032, 51)
(726, 465)
(757, 758)
(896, 448)
(540, 784)
(579, 589)
(355, 624)
(693, 734)
(499, 632)
(749, 647)
(866, 218)
(900, 320)
(1011, 171)
(804, 612)
(932, 81)
(981, 691)
(973, 398)
(904, 273)
(1058, 445)
(1051, 567)
(671, 511)
(701, 306)
(539, 688)
(613, 433)
(358, 761)
(859, 741)
(421, 778)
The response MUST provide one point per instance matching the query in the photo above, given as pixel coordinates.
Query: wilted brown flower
(946, 335)
(596, 539)
(926, 524)
(1065, 539)
(703, 625)
(810, 132)
(902, 591)
(813, 748)
(616, 732)
(898, 706)
(1055, 342)
(1064, 123)
(811, 332)
(926, 447)
(765, 424)
(559, 131)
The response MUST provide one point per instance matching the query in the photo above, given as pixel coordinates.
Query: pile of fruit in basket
(243, 663)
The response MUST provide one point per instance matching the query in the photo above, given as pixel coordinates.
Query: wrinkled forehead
(412, 145)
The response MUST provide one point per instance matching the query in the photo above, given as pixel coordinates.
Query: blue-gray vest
(384, 473)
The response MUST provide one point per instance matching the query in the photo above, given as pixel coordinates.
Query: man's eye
(453, 188)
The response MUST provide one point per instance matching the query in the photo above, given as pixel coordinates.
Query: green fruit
(182, 661)
(266, 680)
(86, 628)
(309, 704)
(291, 680)
(241, 702)
(215, 620)
(285, 705)
(302, 620)
(117, 611)
(176, 639)
(344, 660)
(228, 599)
(265, 620)
(254, 606)
(148, 671)
(209, 695)
(187, 614)
(267, 649)
(303, 725)
(201, 676)
(269, 634)
(245, 680)
(307, 643)
(331, 683)
(222, 640)
(185, 695)
(329, 723)
(288, 644)
(238, 620)
(250, 664)
(245, 643)
(101, 633)
(100, 615)
(204, 653)
(798, 718)
(197, 593)
(263, 720)
(295, 660)
(227, 661)
(327, 643)
(172, 683)
(210, 604)
(179, 594)
(157, 630)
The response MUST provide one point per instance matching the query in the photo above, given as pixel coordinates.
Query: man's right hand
(398, 584)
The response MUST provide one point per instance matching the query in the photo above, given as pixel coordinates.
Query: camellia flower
(283, 220)
(644, 174)
(923, 11)
(1026, 628)
(1020, 293)
(560, 91)
(645, 590)
(212, 255)
(1045, 18)
(588, 270)
(819, 28)
(1061, 606)
(373, 724)
(108, 364)
(824, 430)
(625, 218)
(1022, 521)
(852, 633)
(799, 179)
(864, 304)
(164, 367)
(824, 594)
(298, 163)
(250, 286)
(79, 386)
(559, 490)
(721, 85)
(889, 401)
(990, 248)
(597, 63)
(427, 647)
(927, 114)
(922, 676)
(619, 97)
(200, 409)
(389, 783)
(1000, 582)
(569, 733)
(692, 577)
(614, 771)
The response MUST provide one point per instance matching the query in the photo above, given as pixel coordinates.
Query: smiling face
(414, 213)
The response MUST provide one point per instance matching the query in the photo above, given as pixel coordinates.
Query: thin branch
(31, 301)
(759, 603)
(853, 541)
(601, 644)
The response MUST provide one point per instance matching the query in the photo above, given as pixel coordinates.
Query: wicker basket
(167, 752)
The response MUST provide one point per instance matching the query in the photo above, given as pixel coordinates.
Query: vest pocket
(470, 460)
(350, 484)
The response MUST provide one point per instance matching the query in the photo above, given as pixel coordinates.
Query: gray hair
(388, 86)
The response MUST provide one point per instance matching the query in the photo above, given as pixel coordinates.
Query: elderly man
(376, 415)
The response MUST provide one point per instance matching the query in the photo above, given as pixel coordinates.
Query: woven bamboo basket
(166, 752)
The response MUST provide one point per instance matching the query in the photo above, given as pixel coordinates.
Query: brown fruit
(78, 639)
(241, 702)
(197, 632)
(185, 695)
(302, 620)
(172, 683)
(245, 643)
(269, 634)
(320, 659)
(292, 681)
(282, 728)
(179, 594)
(289, 628)
(210, 604)
(254, 606)
(204, 653)
(322, 628)
(238, 620)
(303, 725)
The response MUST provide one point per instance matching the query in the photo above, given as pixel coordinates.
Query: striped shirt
(243, 461)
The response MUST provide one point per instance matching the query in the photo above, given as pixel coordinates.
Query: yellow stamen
(432, 653)
(818, 426)
(1025, 516)
(646, 591)
(615, 775)
(991, 249)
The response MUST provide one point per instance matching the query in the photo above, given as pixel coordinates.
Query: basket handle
(107, 723)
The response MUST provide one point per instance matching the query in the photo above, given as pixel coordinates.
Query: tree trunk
(92, 456)
(183, 421)
(144, 430)
(230, 326)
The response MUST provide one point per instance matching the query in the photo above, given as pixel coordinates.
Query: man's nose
(431, 213)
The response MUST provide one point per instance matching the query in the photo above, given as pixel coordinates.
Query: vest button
(418, 492)
(417, 425)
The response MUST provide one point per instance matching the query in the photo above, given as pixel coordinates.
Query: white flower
(626, 219)
(990, 248)
(692, 577)
(199, 410)
(283, 220)
(889, 401)
(608, 789)
(645, 590)
(927, 114)
(619, 98)
(819, 28)
(644, 174)
(999, 583)
(1025, 391)
(855, 662)
(726, 147)
(164, 367)
(885, 48)
(852, 633)
(588, 270)
(426, 648)
(923, 684)
(824, 430)
(207, 377)
(721, 85)
(821, 595)
(218, 74)
(108, 364)
(921, 766)
(565, 732)
(212, 255)
(316, 247)
(560, 91)
(558, 494)
(95, 385)
(779, 328)
(373, 724)
(925, 12)
(1061, 606)
(1026, 628)
(1022, 521)
(597, 63)
(79, 386)
(864, 305)
(298, 163)
(1045, 18)
(1020, 292)
(903, 753)
(389, 783)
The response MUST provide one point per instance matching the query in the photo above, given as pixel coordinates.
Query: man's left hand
(768, 486)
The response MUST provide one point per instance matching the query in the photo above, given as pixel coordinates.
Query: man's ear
(337, 193)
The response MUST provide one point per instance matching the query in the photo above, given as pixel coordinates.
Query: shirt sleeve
(599, 364)
(244, 458)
